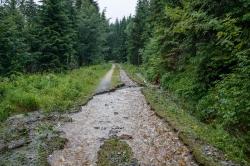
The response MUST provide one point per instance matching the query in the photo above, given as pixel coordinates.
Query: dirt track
(125, 114)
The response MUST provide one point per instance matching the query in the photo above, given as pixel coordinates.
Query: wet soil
(122, 114)
(27, 140)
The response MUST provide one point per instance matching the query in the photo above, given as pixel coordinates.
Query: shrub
(230, 103)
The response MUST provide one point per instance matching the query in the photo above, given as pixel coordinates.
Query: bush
(229, 103)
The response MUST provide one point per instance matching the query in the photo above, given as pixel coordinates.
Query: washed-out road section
(123, 114)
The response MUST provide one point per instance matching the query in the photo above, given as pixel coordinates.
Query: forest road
(106, 81)
(123, 112)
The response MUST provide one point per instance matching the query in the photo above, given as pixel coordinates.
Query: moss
(115, 152)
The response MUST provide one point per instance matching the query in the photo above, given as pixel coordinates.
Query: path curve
(121, 113)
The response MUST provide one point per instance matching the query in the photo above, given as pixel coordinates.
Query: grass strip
(49, 92)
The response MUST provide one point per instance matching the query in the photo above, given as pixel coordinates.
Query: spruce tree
(13, 49)
(55, 36)
(138, 29)
(91, 35)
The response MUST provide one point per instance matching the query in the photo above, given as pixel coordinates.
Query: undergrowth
(173, 106)
(48, 92)
(165, 107)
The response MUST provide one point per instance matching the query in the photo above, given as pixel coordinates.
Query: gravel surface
(123, 114)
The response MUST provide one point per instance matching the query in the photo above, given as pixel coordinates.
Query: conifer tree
(138, 29)
(13, 49)
(55, 36)
(91, 33)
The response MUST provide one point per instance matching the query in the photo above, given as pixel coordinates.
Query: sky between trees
(118, 8)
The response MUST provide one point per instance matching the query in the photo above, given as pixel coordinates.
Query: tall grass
(48, 92)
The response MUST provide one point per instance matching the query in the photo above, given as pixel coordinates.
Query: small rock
(102, 139)
(96, 128)
(116, 113)
(16, 144)
(126, 137)
(134, 162)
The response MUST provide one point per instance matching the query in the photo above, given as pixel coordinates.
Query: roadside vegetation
(48, 92)
(197, 51)
(116, 79)
(133, 72)
(194, 133)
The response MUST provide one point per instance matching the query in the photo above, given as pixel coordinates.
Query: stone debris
(128, 117)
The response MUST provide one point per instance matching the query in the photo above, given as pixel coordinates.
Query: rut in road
(119, 113)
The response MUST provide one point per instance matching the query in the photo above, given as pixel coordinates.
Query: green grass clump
(48, 92)
(115, 152)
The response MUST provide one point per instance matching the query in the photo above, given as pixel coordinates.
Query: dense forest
(55, 35)
(197, 50)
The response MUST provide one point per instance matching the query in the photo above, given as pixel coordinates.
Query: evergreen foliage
(92, 33)
(54, 35)
(117, 39)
